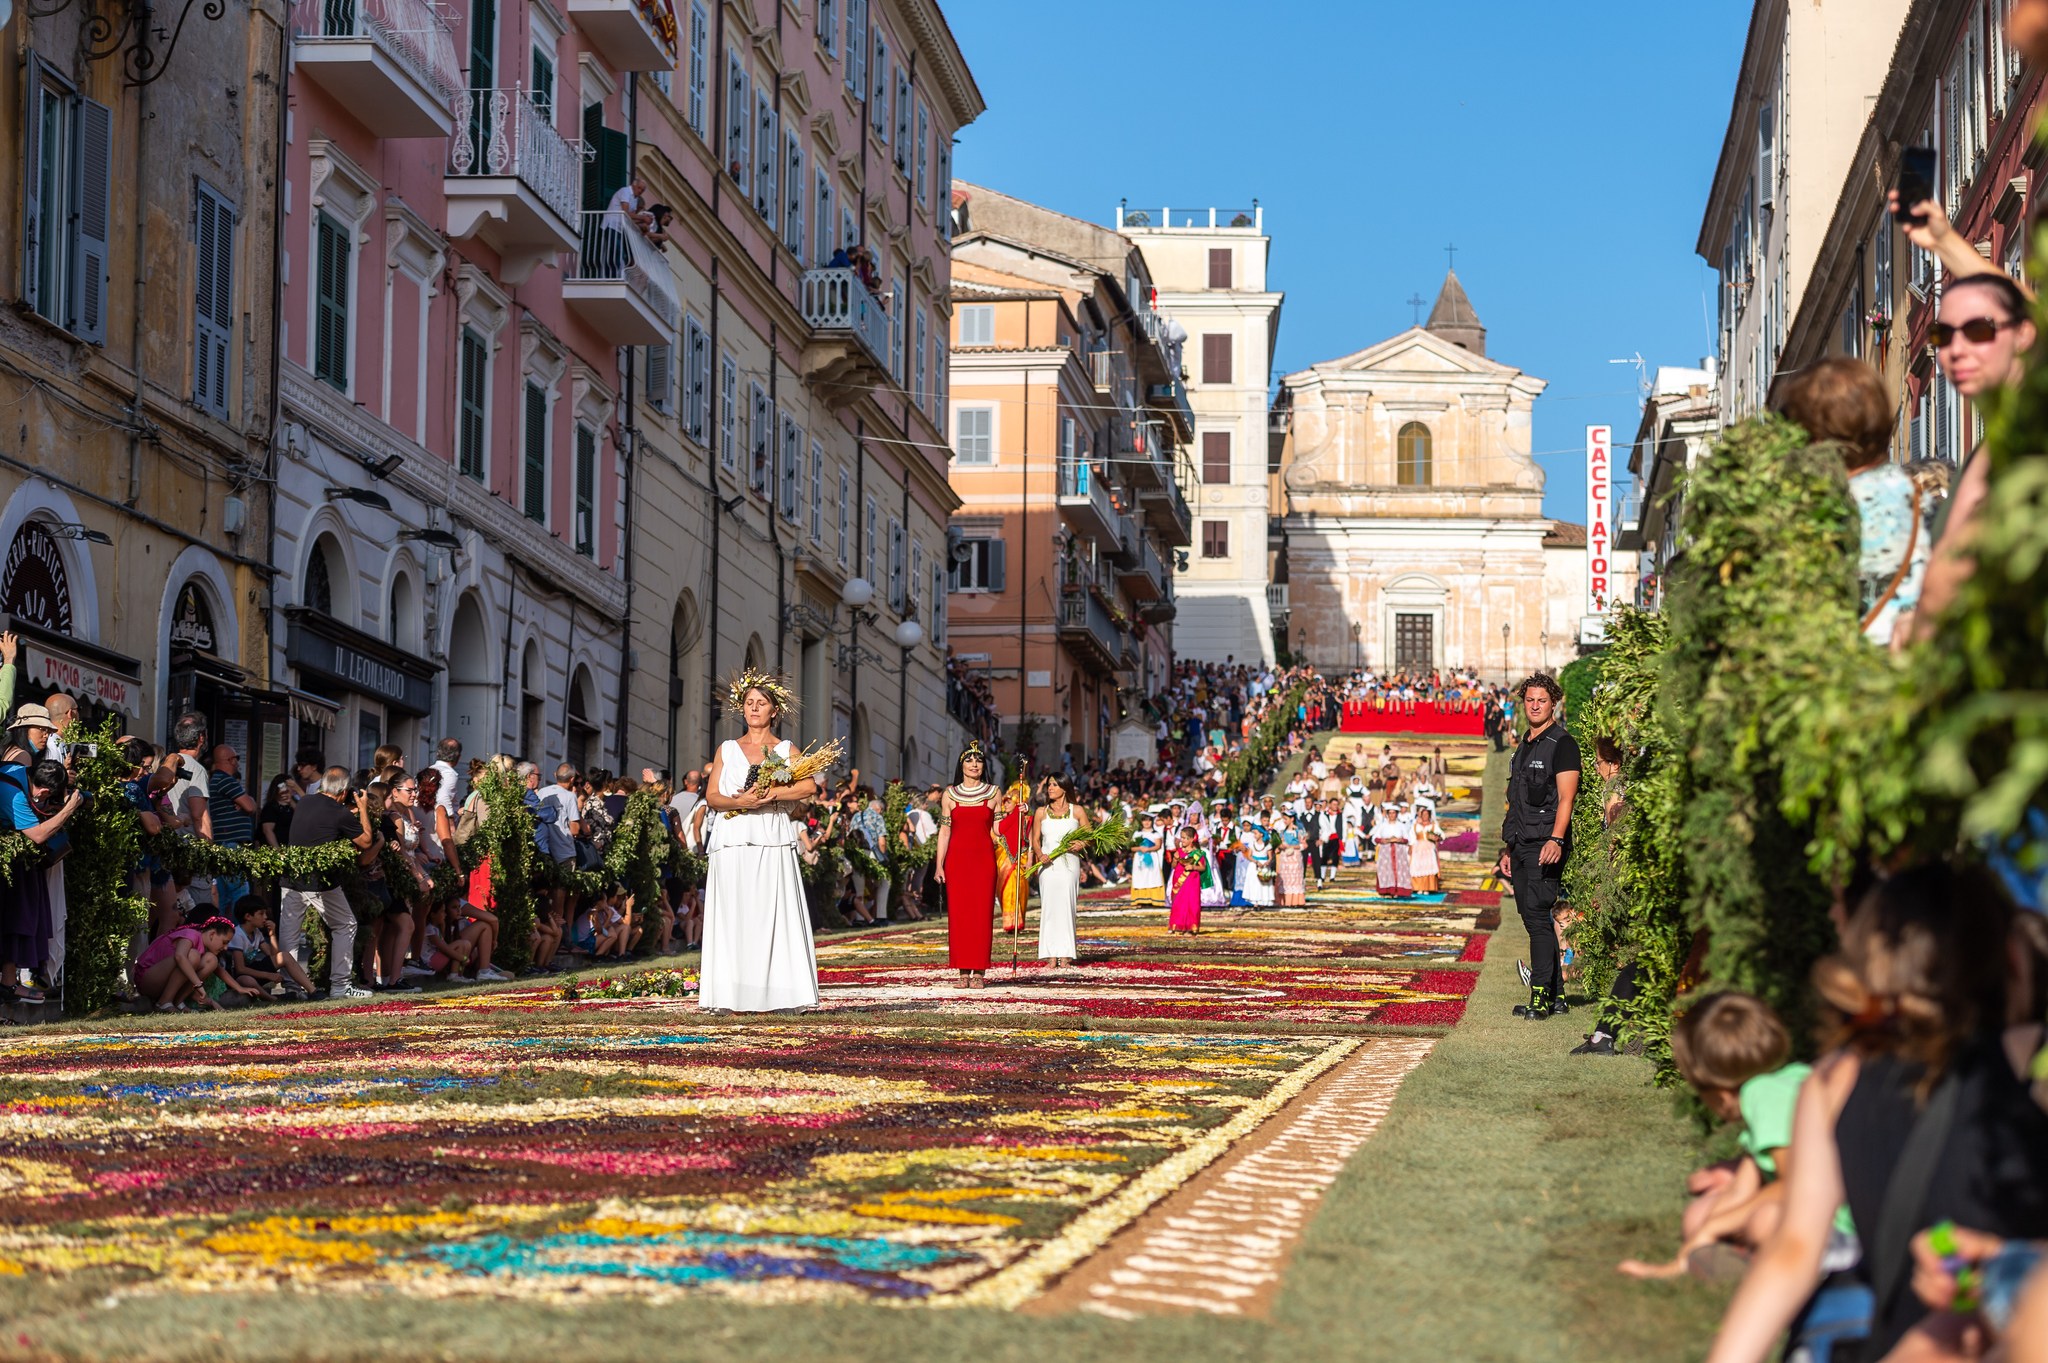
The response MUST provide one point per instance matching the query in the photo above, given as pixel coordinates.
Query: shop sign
(356, 668)
(192, 626)
(1599, 513)
(80, 678)
(34, 584)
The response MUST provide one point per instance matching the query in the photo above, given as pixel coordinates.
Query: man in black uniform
(1543, 780)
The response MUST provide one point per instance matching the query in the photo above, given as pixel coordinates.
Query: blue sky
(1564, 146)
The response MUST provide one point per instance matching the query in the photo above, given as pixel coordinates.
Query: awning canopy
(84, 670)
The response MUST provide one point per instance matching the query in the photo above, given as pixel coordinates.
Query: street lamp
(1506, 669)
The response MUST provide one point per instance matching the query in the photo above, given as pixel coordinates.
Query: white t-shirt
(191, 784)
(682, 802)
(923, 827)
(445, 797)
(561, 837)
(618, 214)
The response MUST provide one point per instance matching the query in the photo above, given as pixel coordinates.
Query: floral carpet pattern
(909, 1142)
(762, 1162)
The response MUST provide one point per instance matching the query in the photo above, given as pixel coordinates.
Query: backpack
(469, 820)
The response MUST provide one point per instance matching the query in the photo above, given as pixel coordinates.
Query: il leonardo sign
(1599, 515)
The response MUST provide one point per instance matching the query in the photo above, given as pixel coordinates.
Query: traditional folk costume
(1390, 854)
(1292, 885)
(1148, 876)
(1190, 869)
(1258, 879)
(1423, 837)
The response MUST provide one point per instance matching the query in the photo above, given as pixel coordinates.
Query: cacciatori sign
(1599, 515)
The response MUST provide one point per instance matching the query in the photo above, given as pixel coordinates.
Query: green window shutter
(586, 491)
(470, 405)
(213, 313)
(534, 496)
(330, 307)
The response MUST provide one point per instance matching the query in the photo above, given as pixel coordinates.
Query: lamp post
(1300, 645)
(1506, 670)
(908, 635)
(1357, 647)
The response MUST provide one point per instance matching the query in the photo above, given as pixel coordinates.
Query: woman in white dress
(757, 931)
(1059, 884)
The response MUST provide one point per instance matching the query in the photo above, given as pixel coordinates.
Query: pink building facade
(449, 494)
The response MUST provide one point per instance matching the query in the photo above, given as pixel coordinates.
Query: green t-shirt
(1768, 1101)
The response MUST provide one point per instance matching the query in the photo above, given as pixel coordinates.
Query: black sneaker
(1598, 1044)
(1537, 1008)
(1558, 1007)
(1522, 969)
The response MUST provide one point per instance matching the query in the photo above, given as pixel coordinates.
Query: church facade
(1413, 511)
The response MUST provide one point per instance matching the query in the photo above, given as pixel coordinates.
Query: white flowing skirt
(1059, 890)
(757, 932)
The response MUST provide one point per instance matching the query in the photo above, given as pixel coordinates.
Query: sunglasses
(1977, 331)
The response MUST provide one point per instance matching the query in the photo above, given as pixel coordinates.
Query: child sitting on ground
(254, 958)
(175, 968)
(1732, 1048)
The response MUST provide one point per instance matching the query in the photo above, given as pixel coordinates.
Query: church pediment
(1415, 351)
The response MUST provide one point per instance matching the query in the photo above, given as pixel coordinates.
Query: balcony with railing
(1171, 397)
(1144, 578)
(849, 345)
(631, 35)
(1087, 627)
(391, 63)
(1168, 513)
(1251, 219)
(1628, 526)
(1086, 503)
(513, 182)
(621, 283)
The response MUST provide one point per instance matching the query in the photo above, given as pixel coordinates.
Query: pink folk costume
(1184, 898)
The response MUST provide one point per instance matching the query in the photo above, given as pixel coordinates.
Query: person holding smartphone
(1535, 834)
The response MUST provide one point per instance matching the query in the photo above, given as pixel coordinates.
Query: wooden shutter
(1216, 456)
(214, 291)
(534, 496)
(767, 156)
(660, 376)
(483, 44)
(604, 174)
(95, 190)
(586, 490)
(32, 194)
(998, 565)
(1216, 357)
(1219, 267)
(470, 382)
(1215, 539)
(856, 45)
(330, 307)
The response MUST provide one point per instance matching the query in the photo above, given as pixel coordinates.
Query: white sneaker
(415, 972)
(491, 974)
(350, 991)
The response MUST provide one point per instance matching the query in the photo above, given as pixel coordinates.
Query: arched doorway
(685, 676)
(472, 689)
(756, 655)
(585, 733)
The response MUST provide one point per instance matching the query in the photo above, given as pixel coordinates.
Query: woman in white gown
(757, 930)
(1059, 884)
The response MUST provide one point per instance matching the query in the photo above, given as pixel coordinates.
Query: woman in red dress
(967, 866)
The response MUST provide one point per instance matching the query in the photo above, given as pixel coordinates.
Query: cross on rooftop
(1416, 301)
(1452, 252)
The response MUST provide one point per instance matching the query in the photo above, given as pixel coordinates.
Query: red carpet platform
(1360, 717)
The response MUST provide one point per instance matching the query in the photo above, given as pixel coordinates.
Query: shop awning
(308, 708)
(84, 670)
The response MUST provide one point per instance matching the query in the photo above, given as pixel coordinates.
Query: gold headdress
(973, 749)
(767, 683)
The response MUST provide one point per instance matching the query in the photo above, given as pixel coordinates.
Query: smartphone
(1916, 181)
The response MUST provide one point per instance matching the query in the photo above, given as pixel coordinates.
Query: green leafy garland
(102, 912)
(903, 862)
(1627, 879)
(1253, 763)
(506, 837)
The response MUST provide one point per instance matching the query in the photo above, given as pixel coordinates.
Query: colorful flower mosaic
(767, 1163)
